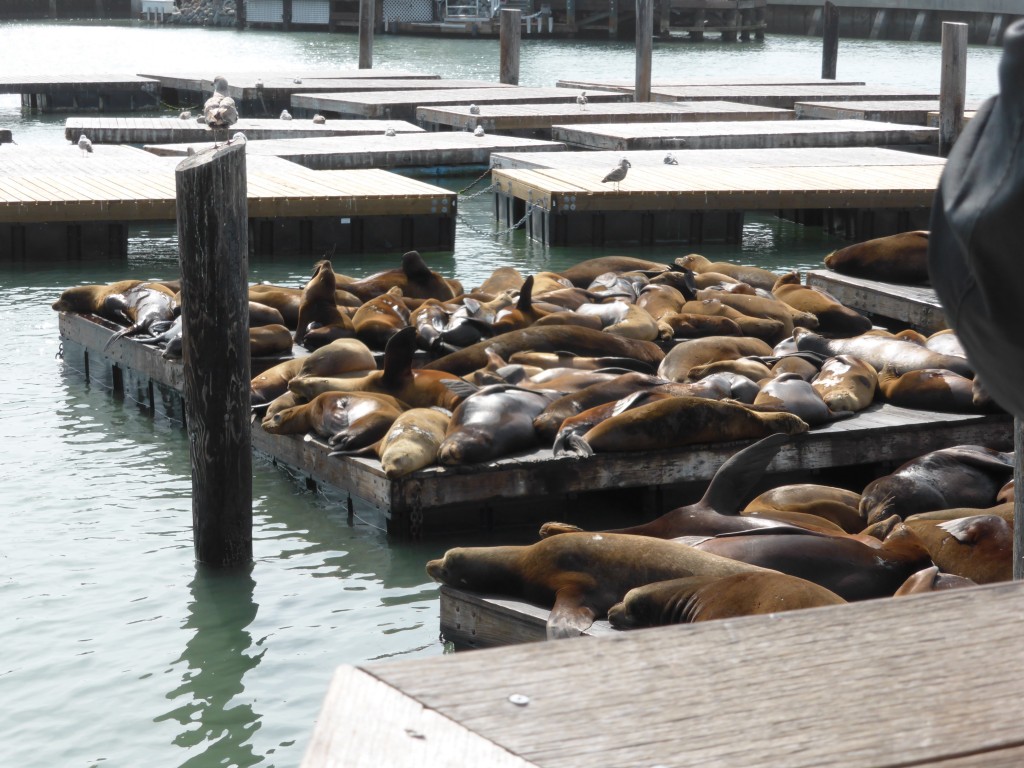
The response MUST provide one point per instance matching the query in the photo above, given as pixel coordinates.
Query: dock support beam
(366, 34)
(1018, 500)
(240, 14)
(953, 84)
(830, 41)
(511, 35)
(644, 43)
(213, 247)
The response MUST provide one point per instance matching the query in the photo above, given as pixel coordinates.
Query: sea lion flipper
(569, 617)
(398, 356)
(572, 445)
(461, 387)
(738, 475)
(553, 529)
(525, 295)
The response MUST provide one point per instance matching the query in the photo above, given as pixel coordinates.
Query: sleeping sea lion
(846, 383)
(584, 273)
(979, 548)
(769, 331)
(837, 505)
(380, 318)
(349, 420)
(788, 392)
(266, 340)
(263, 314)
(92, 299)
(834, 318)
(144, 306)
(340, 356)
(491, 423)
(930, 389)
(931, 579)
(877, 351)
(693, 352)
(901, 258)
(412, 441)
(753, 276)
(522, 315)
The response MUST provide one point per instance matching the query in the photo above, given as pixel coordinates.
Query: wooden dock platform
(743, 134)
(403, 105)
(908, 112)
(174, 130)
(786, 96)
(693, 205)
(84, 93)
(431, 153)
(685, 81)
(915, 306)
(538, 118)
(799, 689)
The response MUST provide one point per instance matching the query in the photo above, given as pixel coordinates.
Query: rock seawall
(204, 13)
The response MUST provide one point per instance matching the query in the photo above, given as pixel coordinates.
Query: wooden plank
(785, 96)
(909, 112)
(687, 81)
(917, 306)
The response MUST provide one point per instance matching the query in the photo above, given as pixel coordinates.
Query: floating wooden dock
(427, 152)
(403, 105)
(84, 93)
(911, 305)
(693, 205)
(786, 96)
(174, 130)
(743, 134)
(908, 112)
(538, 118)
(817, 687)
(685, 81)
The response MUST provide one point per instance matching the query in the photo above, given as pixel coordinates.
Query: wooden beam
(1018, 501)
(644, 43)
(830, 41)
(510, 38)
(366, 9)
(953, 84)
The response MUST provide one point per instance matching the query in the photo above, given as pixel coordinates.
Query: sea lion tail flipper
(123, 332)
(398, 356)
(553, 529)
(461, 387)
(525, 295)
(572, 444)
(569, 617)
(738, 475)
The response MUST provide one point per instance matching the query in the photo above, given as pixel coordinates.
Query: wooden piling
(213, 243)
(644, 43)
(953, 85)
(511, 35)
(1018, 501)
(829, 41)
(286, 15)
(240, 14)
(366, 34)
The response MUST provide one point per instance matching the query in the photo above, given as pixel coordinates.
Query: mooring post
(286, 15)
(511, 34)
(644, 43)
(213, 245)
(240, 14)
(1018, 501)
(953, 84)
(366, 34)
(829, 41)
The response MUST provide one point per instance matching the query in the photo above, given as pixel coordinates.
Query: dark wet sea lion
(834, 318)
(578, 575)
(754, 276)
(979, 548)
(550, 420)
(706, 598)
(837, 505)
(930, 389)
(348, 420)
(266, 340)
(846, 383)
(491, 423)
(901, 258)
(878, 351)
(412, 441)
(144, 306)
(693, 352)
(584, 273)
(932, 580)
(380, 318)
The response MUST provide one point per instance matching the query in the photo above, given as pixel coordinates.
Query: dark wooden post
(101, 9)
(286, 14)
(366, 34)
(570, 17)
(240, 13)
(613, 19)
(829, 41)
(53, 9)
(953, 85)
(1018, 501)
(511, 35)
(213, 245)
(644, 43)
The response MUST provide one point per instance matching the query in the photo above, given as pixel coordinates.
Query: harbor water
(118, 649)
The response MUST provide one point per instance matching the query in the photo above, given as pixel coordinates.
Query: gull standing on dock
(670, 159)
(219, 110)
(84, 144)
(474, 109)
(582, 100)
(319, 119)
(478, 131)
(286, 115)
(618, 173)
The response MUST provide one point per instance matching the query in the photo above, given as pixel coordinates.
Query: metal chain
(517, 225)
(474, 182)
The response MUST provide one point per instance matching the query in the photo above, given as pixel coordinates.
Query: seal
(834, 318)
(659, 300)
(522, 315)
(93, 299)
(769, 331)
(380, 318)
(846, 383)
(583, 274)
(789, 392)
(267, 340)
(706, 598)
(348, 420)
(961, 476)
(575, 426)
(285, 300)
(930, 389)
(415, 279)
(145, 307)
(491, 423)
(750, 368)
(412, 441)
(979, 548)
(264, 314)
(579, 576)
(753, 276)
(317, 307)
(693, 352)
(623, 319)
(692, 325)
(569, 360)
(946, 342)
(877, 351)
(1003, 509)
(836, 505)
(932, 580)
(340, 356)
(501, 279)
(764, 306)
(900, 258)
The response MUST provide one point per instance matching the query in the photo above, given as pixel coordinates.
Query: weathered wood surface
(917, 306)
(818, 687)
(509, 44)
(54, 84)
(785, 96)
(905, 112)
(402, 105)
(520, 117)
(745, 134)
(686, 81)
(717, 158)
(173, 130)
(404, 150)
(242, 85)
(953, 84)
(933, 117)
(829, 41)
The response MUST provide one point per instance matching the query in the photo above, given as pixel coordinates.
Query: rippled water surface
(118, 650)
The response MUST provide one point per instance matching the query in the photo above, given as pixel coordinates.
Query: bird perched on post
(219, 110)
(618, 173)
(84, 144)
(582, 100)
(670, 159)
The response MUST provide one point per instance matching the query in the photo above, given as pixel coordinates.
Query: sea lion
(801, 366)
(961, 476)
(571, 318)
(584, 273)
(693, 352)
(412, 441)
(789, 392)
(340, 356)
(317, 307)
(522, 315)
(623, 319)
(901, 258)
(1003, 509)
(565, 380)
(946, 342)
(846, 383)
(569, 360)
(834, 318)
(660, 300)
(578, 575)
(415, 279)
(566, 298)
(348, 420)
(285, 300)
(877, 351)
(266, 340)
(750, 368)
(93, 299)
(263, 314)
(706, 598)
(769, 331)
(837, 505)
(979, 548)
(502, 279)
(144, 306)
(691, 325)
(930, 389)
(579, 341)
(764, 306)
(753, 276)
(380, 318)
(575, 426)
(681, 421)
(491, 423)
(931, 579)
(1007, 493)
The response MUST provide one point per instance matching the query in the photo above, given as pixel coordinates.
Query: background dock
(911, 305)
(84, 93)
(686, 81)
(909, 112)
(786, 96)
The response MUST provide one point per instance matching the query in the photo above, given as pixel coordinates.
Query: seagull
(474, 109)
(286, 115)
(582, 100)
(478, 131)
(297, 80)
(319, 119)
(238, 138)
(84, 144)
(389, 131)
(670, 159)
(618, 173)
(186, 115)
(219, 110)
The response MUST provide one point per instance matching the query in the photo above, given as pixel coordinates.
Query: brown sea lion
(93, 299)
(566, 298)
(834, 318)
(565, 380)
(571, 318)
(801, 366)
(285, 300)
(753, 276)
(380, 318)
(584, 273)
(693, 352)
(945, 342)
(691, 325)
(931, 580)
(415, 279)
(263, 314)
(877, 351)
(569, 360)
(623, 319)
(1003, 509)
(575, 426)
(929, 389)
(660, 300)
(961, 476)
(578, 575)
(348, 420)
(769, 331)
(979, 548)
(1007, 493)
(901, 258)
(340, 356)
(764, 306)
(579, 341)
(706, 598)
(789, 392)
(846, 383)
(522, 315)
(317, 308)
(502, 279)
(837, 505)
(267, 340)
(492, 423)
(412, 441)
(748, 367)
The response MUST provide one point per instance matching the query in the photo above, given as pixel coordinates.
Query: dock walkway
(914, 112)
(786, 96)
(912, 305)
(84, 93)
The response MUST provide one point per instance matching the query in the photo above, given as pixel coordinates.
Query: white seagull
(478, 131)
(186, 115)
(219, 110)
(582, 100)
(286, 115)
(670, 159)
(389, 131)
(84, 144)
(618, 173)
(474, 109)
(319, 119)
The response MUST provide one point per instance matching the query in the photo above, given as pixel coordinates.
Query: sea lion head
(480, 569)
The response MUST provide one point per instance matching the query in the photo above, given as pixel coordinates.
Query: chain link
(474, 182)
(498, 233)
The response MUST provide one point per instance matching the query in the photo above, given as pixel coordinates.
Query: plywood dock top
(916, 305)
(685, 81)
(203, 81)
(785, 96)
(402, 105)
(173, 130)
(818, 687)
(599, 161)
(910, 112)
(66, 83)
(741, 134)
(403, 150)
(513, 117)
